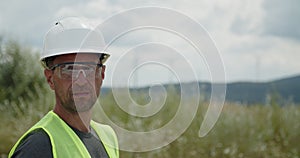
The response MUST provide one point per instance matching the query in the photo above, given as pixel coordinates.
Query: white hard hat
(73, 35)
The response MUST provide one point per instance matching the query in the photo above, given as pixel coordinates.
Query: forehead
(77, 57)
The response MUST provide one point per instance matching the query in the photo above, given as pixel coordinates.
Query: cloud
(242, 30)
(29, 20)
(282, 18)
(248, 18)
(94, 9)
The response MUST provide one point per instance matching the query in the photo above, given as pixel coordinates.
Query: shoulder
(108, 137)
(103, 127)
(35, 144)
(105, 133)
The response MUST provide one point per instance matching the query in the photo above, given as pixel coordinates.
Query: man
(73, 58)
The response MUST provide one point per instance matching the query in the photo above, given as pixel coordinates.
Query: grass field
(260, 131)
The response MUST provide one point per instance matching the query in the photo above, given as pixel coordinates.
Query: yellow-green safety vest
(66, 144)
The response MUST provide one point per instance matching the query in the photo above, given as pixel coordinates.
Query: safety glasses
(72, 70)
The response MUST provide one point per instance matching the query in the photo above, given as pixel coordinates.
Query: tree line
(21, 76)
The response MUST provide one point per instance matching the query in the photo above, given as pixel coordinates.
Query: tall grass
(18, 116)
(241, 131)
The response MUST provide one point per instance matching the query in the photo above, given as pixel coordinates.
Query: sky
(257, 40)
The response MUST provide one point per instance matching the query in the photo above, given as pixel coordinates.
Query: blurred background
(258, 42)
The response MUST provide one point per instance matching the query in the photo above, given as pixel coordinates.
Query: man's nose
(80, 78)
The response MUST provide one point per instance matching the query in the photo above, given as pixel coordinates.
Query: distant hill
(283, 90)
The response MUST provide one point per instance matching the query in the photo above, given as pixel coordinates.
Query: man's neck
(78, 120)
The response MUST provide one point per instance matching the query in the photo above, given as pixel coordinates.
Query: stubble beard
(76, 105)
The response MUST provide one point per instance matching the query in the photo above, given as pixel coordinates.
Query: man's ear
(103, 72)
(49, 77)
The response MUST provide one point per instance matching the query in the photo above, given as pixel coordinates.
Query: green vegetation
(268, 131)
(241, 131)
(21, 76)
(24, 94)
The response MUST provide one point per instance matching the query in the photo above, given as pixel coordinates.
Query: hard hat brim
(103, 58)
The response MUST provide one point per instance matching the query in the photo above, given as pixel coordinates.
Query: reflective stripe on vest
(65, 143)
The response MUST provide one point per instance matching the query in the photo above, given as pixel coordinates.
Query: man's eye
(76, 67)
(69, 67)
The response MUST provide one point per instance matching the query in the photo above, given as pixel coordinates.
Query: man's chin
(82, 105)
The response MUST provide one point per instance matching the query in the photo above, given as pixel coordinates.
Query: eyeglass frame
(99, 65)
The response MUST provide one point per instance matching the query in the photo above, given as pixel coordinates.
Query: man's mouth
(81, 94)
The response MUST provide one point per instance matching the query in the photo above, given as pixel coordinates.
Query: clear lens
(73, 70)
